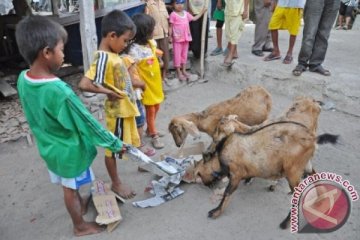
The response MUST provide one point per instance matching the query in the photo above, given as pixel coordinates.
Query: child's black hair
(117, 21)
(34, 33)
(145, 25)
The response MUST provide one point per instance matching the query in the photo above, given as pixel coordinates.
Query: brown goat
(276, 150)
(252, 106)
(300, 111)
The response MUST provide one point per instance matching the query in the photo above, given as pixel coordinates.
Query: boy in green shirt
(66, 133)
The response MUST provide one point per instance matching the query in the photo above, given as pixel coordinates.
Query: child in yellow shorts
(109, 72)
(287, 15)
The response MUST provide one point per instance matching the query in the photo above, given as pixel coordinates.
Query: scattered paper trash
(106, 205)
(167, 187)
(328, 105)
(157, 200)
(158, 168)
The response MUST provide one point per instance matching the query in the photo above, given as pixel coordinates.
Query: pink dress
(180, 26)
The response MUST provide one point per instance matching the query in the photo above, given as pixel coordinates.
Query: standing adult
(319, 17)
(345, 12)
(157, 10)
(236, 11)
(262, 39)
(195, 7)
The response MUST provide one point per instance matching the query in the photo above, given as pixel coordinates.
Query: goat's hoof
(214, 213)
(284, 224)
(248, 181)
(271, 188)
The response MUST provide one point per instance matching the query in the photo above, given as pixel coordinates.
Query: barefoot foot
(87, 228)
(123, 191)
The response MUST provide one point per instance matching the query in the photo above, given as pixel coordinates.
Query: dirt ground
(32, 208)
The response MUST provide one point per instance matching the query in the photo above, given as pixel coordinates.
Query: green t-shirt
(66, 133)
(219, 13)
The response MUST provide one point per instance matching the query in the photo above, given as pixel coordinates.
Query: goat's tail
(327, 138)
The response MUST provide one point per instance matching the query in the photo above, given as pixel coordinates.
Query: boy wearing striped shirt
(109, 71)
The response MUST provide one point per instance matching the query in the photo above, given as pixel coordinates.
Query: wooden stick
(202, 53)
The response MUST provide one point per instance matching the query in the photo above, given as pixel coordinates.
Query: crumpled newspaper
(159, 168)
(166, 188)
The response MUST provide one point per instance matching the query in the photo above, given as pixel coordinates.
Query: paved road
(32, 208)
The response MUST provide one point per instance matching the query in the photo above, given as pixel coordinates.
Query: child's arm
(146, 11)
(219, 4)
(88, 86)
(200, 14)
(135, 78)
(273, 5)
(267, 3)
(170, 33)
(74, 116)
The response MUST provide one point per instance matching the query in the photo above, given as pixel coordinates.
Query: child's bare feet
(85, 204)
(87, 228)
(123, 191)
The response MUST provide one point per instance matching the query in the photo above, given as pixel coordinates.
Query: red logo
(325, 208)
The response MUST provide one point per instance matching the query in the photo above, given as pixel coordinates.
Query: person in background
(157, 10)
(262, 38)
(345, 12)
(287, 15)
(319, 17)
(219, 16)
(195, 7)
(66, 133)
(236, 11)
(181, 36)
(143, 51)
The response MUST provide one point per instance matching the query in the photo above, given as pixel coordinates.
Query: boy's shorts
(286, 18)
(219, 24)
(114, 125)
(74, 183)
(345, 10)
(233, 28)
(140, 120)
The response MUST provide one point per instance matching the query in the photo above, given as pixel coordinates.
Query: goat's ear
(191, 128)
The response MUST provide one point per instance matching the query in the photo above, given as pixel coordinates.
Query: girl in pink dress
(180, 36)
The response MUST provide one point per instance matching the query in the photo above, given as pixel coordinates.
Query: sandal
(299, 69)
(187, 77)
(156, 142)
(148, 151)
(288, 59)
(319, 69)
(227, 64)
(216, 51)
(339, 27)
(182, 78)
(271, 57)
(159, 133)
